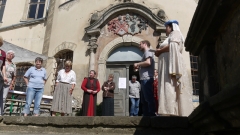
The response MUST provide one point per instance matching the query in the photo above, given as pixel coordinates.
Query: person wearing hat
(10, 75)
(174, 87)
(2, 75)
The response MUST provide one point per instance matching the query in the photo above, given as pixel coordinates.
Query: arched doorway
(60, 58)
(120, 63)
(125, 55)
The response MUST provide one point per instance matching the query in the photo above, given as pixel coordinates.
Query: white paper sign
(122, 83)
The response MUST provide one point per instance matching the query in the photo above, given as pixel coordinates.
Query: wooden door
(121, 100)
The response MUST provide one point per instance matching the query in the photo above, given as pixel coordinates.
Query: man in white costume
(175, 89)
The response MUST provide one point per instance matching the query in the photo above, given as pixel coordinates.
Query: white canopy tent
(21, 54)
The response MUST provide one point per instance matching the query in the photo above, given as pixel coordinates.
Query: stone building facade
(95, 34)
(217, 47)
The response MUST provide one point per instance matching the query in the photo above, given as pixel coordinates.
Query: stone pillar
(162, 37)
(127, 93)
(92, 46)
(162, 34)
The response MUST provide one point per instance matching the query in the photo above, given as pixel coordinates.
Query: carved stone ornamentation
(161, 14)
(127, 24)
(161, 39)
(94, 17)
(64, 45)
(92, 44)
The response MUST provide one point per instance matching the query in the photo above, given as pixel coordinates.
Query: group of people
(166, 91)
(35, 79)
(91, 87)
(173, 93)
(135, 94)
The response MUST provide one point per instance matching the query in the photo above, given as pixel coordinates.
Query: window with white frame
(36, 9)
(2, 7)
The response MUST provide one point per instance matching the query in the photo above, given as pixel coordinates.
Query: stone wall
(219, 62)
(227, 54)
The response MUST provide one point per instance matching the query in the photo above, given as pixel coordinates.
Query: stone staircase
(118, 125)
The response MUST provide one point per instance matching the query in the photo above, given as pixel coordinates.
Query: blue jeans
(147, 97)
(134, 106)
(36, 94)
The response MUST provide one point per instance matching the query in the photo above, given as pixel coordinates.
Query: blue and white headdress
(175, 27)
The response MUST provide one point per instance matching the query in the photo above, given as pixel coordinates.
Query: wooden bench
(19, 103)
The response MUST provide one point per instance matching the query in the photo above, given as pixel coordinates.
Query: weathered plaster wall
(31, 37)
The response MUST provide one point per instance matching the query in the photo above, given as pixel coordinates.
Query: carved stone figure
(161, 14)
(127, 17)
(94, 18)
(142, 25)
(133, 27)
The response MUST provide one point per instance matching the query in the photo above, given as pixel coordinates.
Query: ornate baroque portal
(121, 25)
(123, 19)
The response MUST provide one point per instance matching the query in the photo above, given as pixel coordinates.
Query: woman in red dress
(155, 89)
(91, 87)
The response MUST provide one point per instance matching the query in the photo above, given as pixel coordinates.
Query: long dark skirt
(89, 105)
(108, 106)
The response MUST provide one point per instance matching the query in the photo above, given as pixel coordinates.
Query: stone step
(115, 125)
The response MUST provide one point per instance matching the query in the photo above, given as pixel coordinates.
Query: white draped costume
(174, 87)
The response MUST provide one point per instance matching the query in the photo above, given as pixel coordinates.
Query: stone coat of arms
(131, 24)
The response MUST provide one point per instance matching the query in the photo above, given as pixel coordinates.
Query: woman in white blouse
(62, 96)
